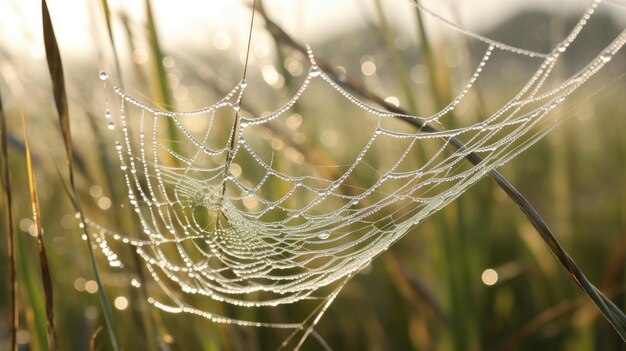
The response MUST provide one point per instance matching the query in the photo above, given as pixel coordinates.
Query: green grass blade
(163, 95)
(452, 220)
(55, 67)
(439, 84)
(33, 293)
(400, 66)
(107, 18)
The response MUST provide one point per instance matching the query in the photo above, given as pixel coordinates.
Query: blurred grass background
(429, 291)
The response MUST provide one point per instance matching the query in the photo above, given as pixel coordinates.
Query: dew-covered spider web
(225, 215)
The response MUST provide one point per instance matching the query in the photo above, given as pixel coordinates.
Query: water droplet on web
(243, 84)
(103, 75)
(323, 235)
(606, 58)
(562, 48)
(111, 125)
(118, 145)
(315, 71)
(107, 114)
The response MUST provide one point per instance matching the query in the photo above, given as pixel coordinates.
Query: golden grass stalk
(43, 258)
(92, 338)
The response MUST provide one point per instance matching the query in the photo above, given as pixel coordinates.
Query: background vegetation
(426, 293)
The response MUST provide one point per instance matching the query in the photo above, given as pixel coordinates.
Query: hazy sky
(193, 22)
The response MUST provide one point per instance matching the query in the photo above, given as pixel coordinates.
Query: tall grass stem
(55, 68)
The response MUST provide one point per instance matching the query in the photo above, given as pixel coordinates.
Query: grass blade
(92, 339)
(148, 320)
(401, 69)
(162, 92)
(35, 311)
(439, 83)
(43, 259)
(107, 18)
(456, 247)
(55, 67)
(10, 230)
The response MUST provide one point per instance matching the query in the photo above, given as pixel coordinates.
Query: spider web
(224, 215)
